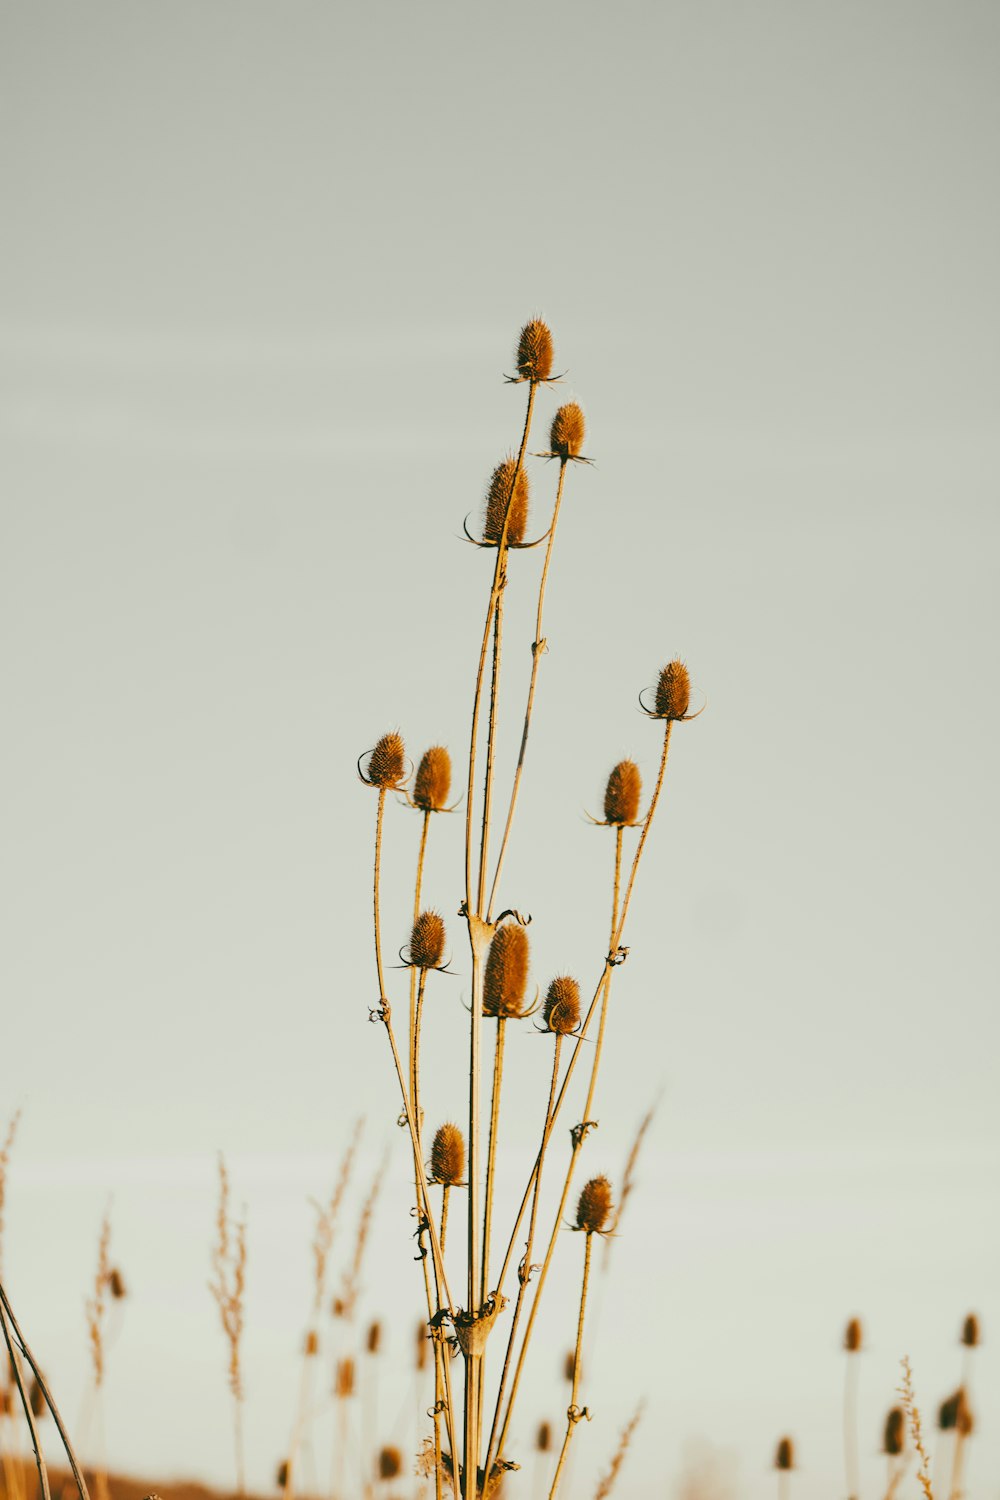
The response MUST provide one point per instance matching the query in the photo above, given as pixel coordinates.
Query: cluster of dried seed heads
(506, 979)
(534, 351)
(508, 485)
(622, 793)
(447, 1155)
(427, 941)
(561, 1011)
(594, 1207)
(433, 780)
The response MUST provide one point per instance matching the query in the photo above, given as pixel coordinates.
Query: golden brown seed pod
(344, 1382)
(970, 1331)
(594, 1207)
(622, 793)
(447, 1155)
(36, 1400)
(784, 1454)
(852, 1336)
(433, 780)
(311, 1345)
(373, 1341)
(543, 1438)
(427, 941)
(506, 977)
(387, 762)
(963, 1413)
(534, 351)
(569, 1364)
(281, 1475)
(116, 1284)
(568, 431)
(948, 1412)
(338, 1307)
(497, 497)
(390, 1463)
(422, 1349)
(895, 1432)
(673, 691)
(561, 1012)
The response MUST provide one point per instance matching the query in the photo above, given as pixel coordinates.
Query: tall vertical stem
(574, 1414)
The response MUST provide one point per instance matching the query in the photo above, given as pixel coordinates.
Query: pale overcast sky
(264, 267)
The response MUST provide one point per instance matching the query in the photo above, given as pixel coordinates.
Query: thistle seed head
(344, 1382)
(568, 431)
(852, 1336)
(390, 1463)
(433, 780)
(594, 1207)
(448, 1155)
(970, 1332)
(506, 977)
(895, 1432)
(561, 1012)
(673, 691)
(373, 1341)
(427, 941)
(543, 1438)
(387, 762)
(622, 793)
(784, 1454)
(534, 351)
(497, 496)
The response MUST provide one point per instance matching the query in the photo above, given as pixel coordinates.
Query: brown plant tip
(506, 977)
(311, 1345)
(622, 793)
(116, 1284)
(569, 1365)
(561, 1011)
(895, 1432)
(853, 1336)
(497, 497)
(594, 1207)
(343, 1385)
(427, 941)
(390, 1463)
(281, 1475)
(955, 1414)
(387, 762)
(447, 1156)
(971, 1335)
(784, 1454)
(568, 431)
(673, 692)
(36, 1400)
(543, 1438)
(433, 780)
(422, 1345)
(534, 351)
(374, 1340)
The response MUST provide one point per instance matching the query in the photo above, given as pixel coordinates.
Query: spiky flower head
(433, 780)
(853, 1336)
(447, 1155)
(673, 691)
(497, 497)
(387, 762)
(561, 1012)
(895, 1432)
(569, 1364)
(784, 1454)
(622, 793)
(506, 977)
(390, 1463)
(534, 351)
(970, 1332)
(427, 941)
(594, 1207)
(568, 430)
(543, 1438)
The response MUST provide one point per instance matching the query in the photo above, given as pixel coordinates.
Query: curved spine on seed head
(498, 495)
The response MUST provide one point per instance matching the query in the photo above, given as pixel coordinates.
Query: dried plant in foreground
(228, 1285)
(913, 1418)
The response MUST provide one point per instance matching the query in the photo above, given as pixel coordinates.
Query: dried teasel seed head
(594, 1206)
(343, 1386)
(534, 351)
(568, 431)
(971, 1335)
(622, 793)
(853, 1336)
(784, 1454)
(338, 1307)
(673, 691)
(36, 1400)
(543, 1438)
(427, 941)
(373, 1341)
(506, 977)
(948, 1412)
(390, 1463)
(561, 1012)
(116, 1284)
(311, 1345)
(422, 1346)
(569, 1364)
(433, 780)
(387, 762)
(281, 1475)
(895, 1432)
(964, 1421)
(497, 496)
(448, 1155)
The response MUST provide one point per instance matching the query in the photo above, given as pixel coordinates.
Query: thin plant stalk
(574, 1414)
(491, 1152)
(7, 1317)
(36, 1443)
(851, 1425)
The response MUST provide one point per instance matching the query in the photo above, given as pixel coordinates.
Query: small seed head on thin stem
(433, 780)
(281, 1475)
(344, 1382)
(373, 1342)
(390, 1463)
(955, 1414)
(594, 1206)
(784, 1454)
(622, 793)
(116, 1284)
(447, 1155)
(497, 497)
(568, 431)
(895, 1432)
(569, 1364)
(36, 1400)
(853, 1336)
(422, 1345)
(673, 692)
(561, 1011)
(506, 977)
(427, 941)
(534, 351)
(543, 1438)
(971, 1335)
(387, 762)
(311, 1345)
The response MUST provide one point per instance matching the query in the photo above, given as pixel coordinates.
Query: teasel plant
(853, 1344)
(473, 1421)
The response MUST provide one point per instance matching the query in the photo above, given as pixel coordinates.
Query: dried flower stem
(908, 1400)
(607, 1483)
(229, 1258)
(11, 1328)
(491, 1152)
(574, 1414)
(851, 1424)
(43, 1476)
(5, 1151)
